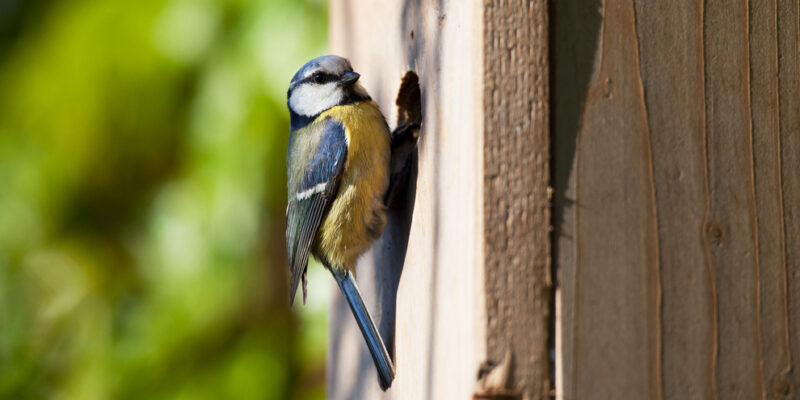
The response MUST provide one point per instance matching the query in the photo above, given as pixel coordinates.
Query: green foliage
(142, 153)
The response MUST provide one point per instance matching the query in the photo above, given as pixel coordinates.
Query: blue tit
(338, 173)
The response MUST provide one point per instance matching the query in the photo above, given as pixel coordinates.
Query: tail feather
(383, 363)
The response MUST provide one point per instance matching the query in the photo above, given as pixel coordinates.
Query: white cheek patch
(311, 99)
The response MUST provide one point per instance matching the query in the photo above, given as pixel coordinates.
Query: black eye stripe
(325, 78)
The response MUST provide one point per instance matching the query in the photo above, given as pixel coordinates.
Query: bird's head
(322, 83)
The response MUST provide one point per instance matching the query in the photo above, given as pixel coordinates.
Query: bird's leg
(404, 143)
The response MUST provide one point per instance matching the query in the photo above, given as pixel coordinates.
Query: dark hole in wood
(409, 102)
(404, 139)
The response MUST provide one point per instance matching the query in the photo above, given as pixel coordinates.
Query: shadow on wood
(574, 36)
(400, 201)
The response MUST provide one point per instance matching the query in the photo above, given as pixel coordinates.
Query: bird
(338, 170)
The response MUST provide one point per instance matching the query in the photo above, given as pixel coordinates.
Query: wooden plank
(788, 384)
(617, 282)
(718, 92)
(515, 197)
(765, 115)
(730, 220)
(671, 39)
(439, 319)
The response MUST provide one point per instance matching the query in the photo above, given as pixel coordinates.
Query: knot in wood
(716, 233)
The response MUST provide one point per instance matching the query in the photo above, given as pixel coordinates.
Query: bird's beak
(350, 77)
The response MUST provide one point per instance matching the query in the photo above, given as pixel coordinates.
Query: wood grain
(681, 278)
(670, 39)
(676, 155)
(787, 384)
(730, 219)
(617, 254)
(515, 200)
(765, 115)
(575, 28)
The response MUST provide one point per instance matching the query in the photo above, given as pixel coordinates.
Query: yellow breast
(357, 216)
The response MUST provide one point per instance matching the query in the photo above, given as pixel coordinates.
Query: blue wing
(308, 205)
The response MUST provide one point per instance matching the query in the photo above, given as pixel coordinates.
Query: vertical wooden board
(789, 107)
(730, 222)
(617, 347)
(516, 204)
(453, 161)
(671, 62)
(765, 115)
(439, 321)
(720, 87)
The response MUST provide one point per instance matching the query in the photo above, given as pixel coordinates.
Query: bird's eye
(319, 77)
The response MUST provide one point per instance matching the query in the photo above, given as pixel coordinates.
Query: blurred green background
(142, 195)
